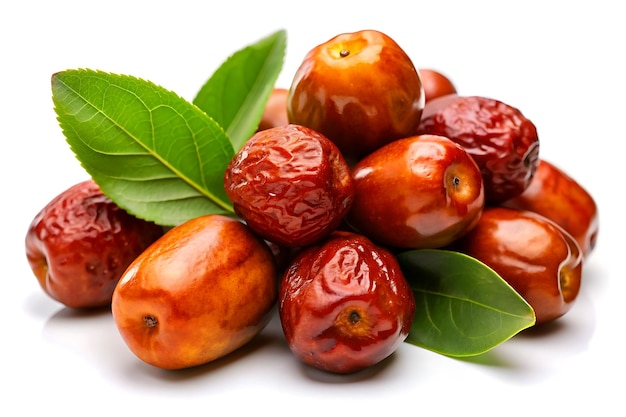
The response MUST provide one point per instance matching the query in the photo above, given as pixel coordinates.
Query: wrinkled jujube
(345, 304)
(290, 184)
(80, 243)
(502, 141)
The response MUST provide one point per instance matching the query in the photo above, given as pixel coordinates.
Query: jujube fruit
(538, 258)
(344, 304)
(559, 197)
(360, 89)
(436, 84)
(290, 184)
(203, 290)
(418, 192)
(502, 141)
(81, 242)
(275, 112)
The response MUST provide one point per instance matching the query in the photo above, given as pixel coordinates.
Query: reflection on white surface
(82, 352)
(92, 337)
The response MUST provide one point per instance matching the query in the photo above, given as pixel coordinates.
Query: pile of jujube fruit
(364, 155)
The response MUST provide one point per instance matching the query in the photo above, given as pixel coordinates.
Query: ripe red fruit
(436, 84)
(344, 304)
(559, 197)
(203, 290)
(502, 141)
(275, 112)
(361, 90)
(80, 243)
(290, 184)
(539, 259)
(417, 192)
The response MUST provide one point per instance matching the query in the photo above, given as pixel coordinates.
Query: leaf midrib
(204, 191)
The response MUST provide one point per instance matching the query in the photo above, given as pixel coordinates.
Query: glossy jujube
(344, 304)
(203, 290)
(436, 84)
(275, 112)
(556, 195)
(418, 192)
(359, 89)
(537, 257)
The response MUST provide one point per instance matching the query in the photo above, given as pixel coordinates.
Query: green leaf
(236, 94)
(463, 307)
(155, 154)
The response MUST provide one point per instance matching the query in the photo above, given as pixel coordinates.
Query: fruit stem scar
(344, 53)
(150, 321)
(354, 322)
(354, 317)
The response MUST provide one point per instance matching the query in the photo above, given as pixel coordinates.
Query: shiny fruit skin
(290, 184)
(359, 89)
(502, 141)
(418, 192)
(436, 84)
(559, 197)
(275, 112)
(203, 290)
(80, 243)
(539, 259)
(344, 304)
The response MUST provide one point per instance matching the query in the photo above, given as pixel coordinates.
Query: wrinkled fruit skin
(435, 84)
(539, 259)
(418, 192)
(344, 304)
(275, 112)
(80, 243)
(203, 290)
(557, 196)
(290, 184)
(360, 89)
(502, 141)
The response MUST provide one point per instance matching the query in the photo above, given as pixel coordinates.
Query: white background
(561, 63)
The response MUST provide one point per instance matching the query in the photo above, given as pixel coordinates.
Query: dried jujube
(290, 184)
